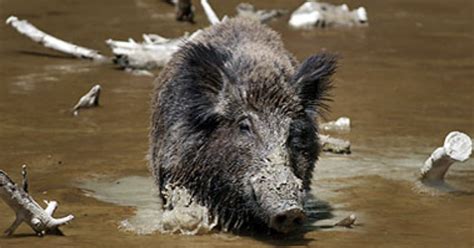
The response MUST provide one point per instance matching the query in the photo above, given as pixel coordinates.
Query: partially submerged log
(27, 29)
(91, 99)
(342, 124)
(154, 52)
(317, 14)
(27, 209)
(334, 145)
(247, 10)
(457, 148)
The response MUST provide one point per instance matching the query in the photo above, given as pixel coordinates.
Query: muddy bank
(405, 81)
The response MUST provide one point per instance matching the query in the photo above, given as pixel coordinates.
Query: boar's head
(251, 134)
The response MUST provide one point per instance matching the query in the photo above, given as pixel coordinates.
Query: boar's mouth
(278, 195)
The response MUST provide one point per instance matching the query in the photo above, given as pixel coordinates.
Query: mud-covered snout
(279, 195)
(287, 219)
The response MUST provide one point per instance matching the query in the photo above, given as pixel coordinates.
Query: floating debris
(317, 14)
(334, 145)
(91, 99)
(247, 10)
(154, 52)
(342, 124)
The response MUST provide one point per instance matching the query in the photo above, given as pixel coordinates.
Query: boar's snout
(279, 195)
(288, 219)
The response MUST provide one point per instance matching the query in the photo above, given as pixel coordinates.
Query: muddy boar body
(234, 122)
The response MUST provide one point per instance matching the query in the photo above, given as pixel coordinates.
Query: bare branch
(27, 29)
(28, 210)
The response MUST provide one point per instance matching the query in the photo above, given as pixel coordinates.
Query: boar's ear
(207, 81)
(312, 82)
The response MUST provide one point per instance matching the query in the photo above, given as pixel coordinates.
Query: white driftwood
(457, 148)
(334, 145)
(91, 99)
(342, 124)
(211, 15)
(247, 10)
(27, 29)
(154, 52)
(139, 72)
(348, 222)
(317, 14)
(28, 210)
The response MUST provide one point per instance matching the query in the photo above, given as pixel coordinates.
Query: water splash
(181, 214)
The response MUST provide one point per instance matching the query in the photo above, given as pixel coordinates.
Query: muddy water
(405, 81)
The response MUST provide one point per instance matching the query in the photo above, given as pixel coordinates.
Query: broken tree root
(27, 209)
(457, 148)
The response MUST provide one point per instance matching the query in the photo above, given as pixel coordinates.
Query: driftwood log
(154, 52)
(334, 145)
(247, 10)
(91, 99)
(318, 14)
(49, 41)
(27, 209)
(457, 148)
(342, 124)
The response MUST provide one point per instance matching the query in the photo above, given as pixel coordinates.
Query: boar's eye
(244, 126)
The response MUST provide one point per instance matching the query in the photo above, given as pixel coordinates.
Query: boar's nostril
(280, 219)
(298, 221)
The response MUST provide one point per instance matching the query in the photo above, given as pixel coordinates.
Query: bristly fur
(224, 102)
(202, 77)
(313, 82)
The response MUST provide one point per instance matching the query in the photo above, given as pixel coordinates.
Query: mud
(405, 82)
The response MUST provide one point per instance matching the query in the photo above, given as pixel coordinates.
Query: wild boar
(234, 121)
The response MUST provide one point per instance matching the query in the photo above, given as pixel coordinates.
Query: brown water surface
(405, 82)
